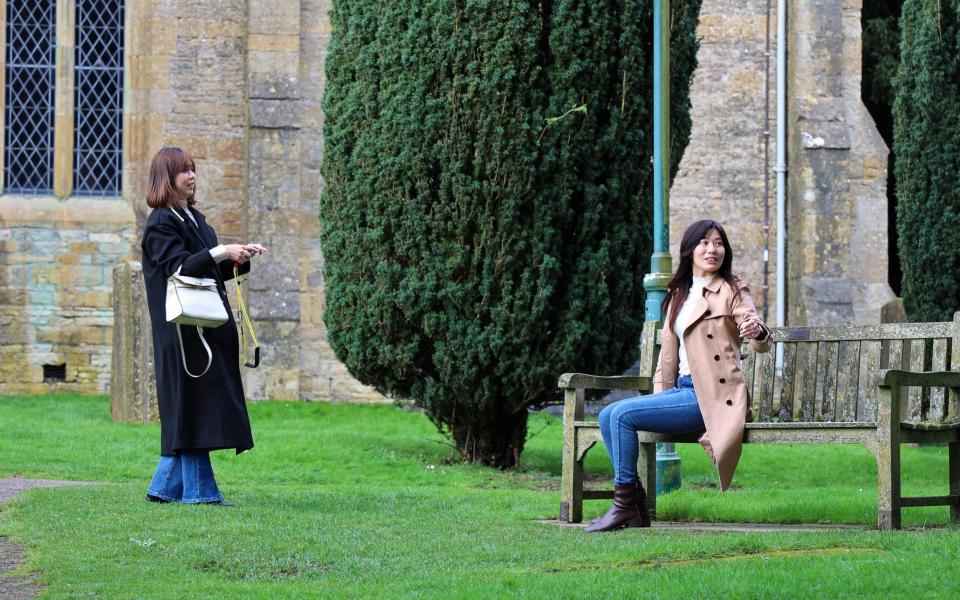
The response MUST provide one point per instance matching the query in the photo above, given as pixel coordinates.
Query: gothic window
(98, 97)
(63, 122)
(29, 84)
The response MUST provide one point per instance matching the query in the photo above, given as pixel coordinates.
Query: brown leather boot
(629, 510)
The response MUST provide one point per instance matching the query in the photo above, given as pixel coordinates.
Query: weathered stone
(274, 114)
(893, 312)
(240, 86)
(133, 385)
(837, 213)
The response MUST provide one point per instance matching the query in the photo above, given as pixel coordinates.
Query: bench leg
(571, 472)
(571, 495)
(887, 451)
(888, 484)
(647, 475)
(954, 466)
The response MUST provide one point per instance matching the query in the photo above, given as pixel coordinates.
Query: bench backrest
(829, 373)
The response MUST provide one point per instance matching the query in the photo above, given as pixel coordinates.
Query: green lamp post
(661, 267)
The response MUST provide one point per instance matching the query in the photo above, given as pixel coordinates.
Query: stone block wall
(836, 211)
(239, 84)
(56, 263)
(723, 170)
(837, 268)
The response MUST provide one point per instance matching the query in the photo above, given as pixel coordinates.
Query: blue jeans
(186, 478)
(670, 411)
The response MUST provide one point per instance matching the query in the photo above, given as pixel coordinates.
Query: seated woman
(698, 385)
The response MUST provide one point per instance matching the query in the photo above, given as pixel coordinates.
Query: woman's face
(708, 255)
(185, 184)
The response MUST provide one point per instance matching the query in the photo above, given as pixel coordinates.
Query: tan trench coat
(712, 342)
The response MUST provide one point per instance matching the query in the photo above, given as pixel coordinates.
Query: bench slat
(869, 366)
(649, 348)
(599, 382)
(819, 382)
(914, 413)
(894, 355)
(785, 412)
(747, 366)
(811, 435)
(763, 382)
(930, 501)
(831, 364)
(806, 388)
(938, 363)
(597, 494)
(887, 331)
(848, 374)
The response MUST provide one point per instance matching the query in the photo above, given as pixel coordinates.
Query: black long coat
(209, 412)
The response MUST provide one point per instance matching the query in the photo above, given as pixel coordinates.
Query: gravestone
(133, 387)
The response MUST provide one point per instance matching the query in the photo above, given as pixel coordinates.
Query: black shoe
(157, 499)
(222, 503)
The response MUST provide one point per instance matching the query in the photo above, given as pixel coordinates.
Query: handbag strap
(183, 353)
(243, 315)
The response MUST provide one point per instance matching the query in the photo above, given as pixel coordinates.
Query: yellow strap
(244, 315)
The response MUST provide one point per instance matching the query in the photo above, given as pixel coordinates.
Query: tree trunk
(495, 442)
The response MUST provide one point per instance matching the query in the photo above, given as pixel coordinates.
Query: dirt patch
(693, 562)
(11, 555)
(15, 588)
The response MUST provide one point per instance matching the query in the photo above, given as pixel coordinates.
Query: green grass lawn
(347, 501)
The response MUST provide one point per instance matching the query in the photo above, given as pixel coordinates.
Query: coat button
(722, 380)
(716, 357)
(729, 402)
(709, 336)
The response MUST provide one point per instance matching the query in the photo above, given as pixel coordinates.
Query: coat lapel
(194, 229)
(700, 308)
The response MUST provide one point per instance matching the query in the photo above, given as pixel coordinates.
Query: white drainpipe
(781, 166)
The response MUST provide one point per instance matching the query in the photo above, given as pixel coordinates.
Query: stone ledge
(93, 213)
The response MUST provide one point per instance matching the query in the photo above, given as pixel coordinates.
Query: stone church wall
(239, 84)
(836, 160)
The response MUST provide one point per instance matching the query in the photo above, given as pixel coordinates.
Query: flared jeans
(187, 478)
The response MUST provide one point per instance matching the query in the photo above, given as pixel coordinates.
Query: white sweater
(683, 319)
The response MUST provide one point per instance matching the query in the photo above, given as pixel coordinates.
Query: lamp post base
(668, 469)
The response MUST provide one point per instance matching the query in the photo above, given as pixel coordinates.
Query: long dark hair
(679, 286)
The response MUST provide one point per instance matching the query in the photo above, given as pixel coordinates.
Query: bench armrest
(896, 378)
(597, 382)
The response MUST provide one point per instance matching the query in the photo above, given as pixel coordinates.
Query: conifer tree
(927, 145)
(486, 215)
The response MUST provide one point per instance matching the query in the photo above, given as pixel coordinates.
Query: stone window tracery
(63, 102)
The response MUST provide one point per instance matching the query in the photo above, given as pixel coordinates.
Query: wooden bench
(877, 385)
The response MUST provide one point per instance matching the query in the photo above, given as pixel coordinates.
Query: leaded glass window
(98, 98)
(29, 114)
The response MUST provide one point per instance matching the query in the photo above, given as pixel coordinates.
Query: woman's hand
(241, 253)
(751, 329)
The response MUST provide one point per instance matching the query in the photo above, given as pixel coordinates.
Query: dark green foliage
(881, 57)
(927, 145)
(473, 252)
(881, 50)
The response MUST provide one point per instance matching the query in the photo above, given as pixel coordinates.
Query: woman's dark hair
(166, 165)
(679, 286)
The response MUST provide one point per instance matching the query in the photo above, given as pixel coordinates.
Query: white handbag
(194, 301)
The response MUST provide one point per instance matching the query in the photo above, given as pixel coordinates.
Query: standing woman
(206, 412)
(698, 385)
